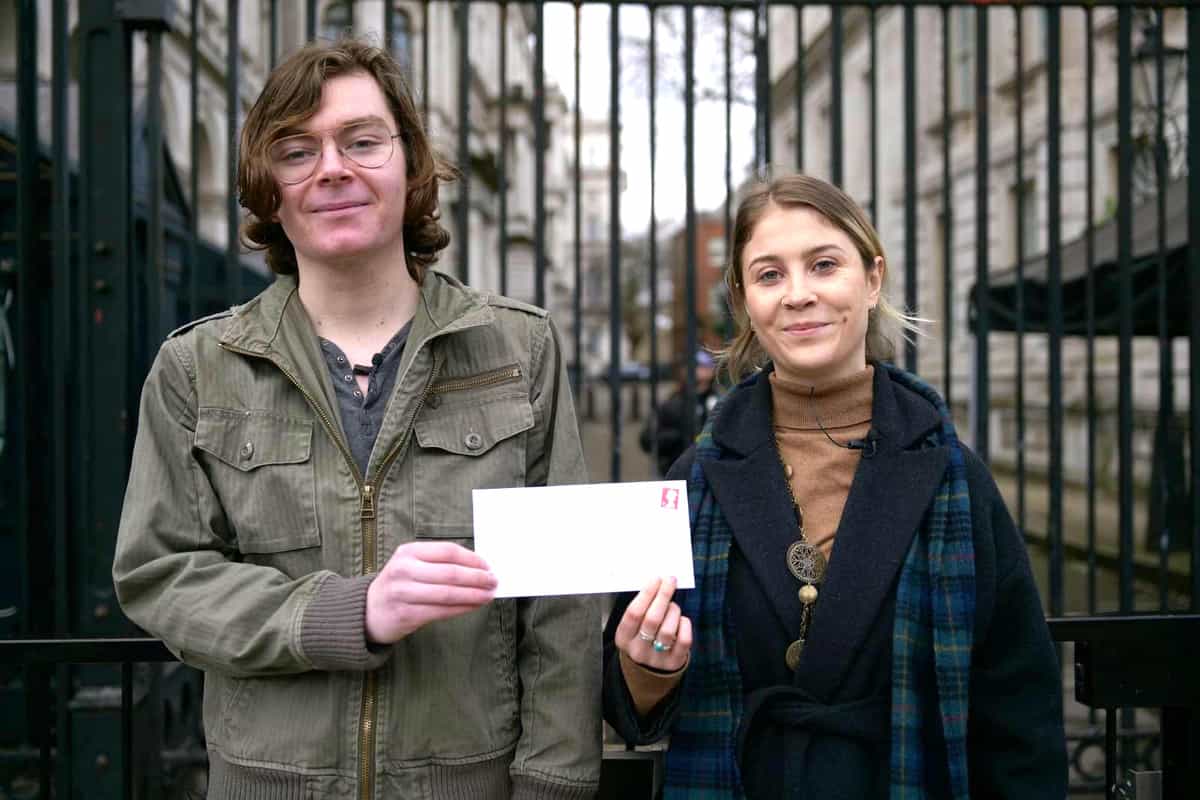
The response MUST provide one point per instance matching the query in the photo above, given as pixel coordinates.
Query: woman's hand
(653, 631)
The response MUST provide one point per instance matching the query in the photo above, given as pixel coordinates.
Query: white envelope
(597, 537)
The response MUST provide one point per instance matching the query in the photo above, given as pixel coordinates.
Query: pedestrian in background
(298, 517)
(664, 429)
(865, 623)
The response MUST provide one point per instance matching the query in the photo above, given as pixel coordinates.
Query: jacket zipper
(366, 733)
(490, 378)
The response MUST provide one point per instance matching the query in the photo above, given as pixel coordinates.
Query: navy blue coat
(824, 731)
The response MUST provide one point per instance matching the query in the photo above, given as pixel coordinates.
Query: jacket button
(434, 401)
(473, 441)
(247, 451)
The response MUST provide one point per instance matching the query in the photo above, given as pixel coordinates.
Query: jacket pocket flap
(474, 430)
(246, 440)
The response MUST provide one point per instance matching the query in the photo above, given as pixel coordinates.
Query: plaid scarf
(931, 635)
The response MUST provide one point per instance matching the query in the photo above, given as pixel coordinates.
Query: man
(666, 426)
(298, 518)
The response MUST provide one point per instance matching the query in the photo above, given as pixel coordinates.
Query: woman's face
(808, 294)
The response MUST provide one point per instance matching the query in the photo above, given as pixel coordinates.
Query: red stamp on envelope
(670, 498)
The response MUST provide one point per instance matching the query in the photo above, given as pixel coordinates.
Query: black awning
(1002, 294)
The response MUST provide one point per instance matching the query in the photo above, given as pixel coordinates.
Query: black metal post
(1125, 304)
(1055, 298)
(464, 139)
(577, 316)
(503, 165)
(983, 320)
(194, 159)
(948, 303)
(1019, 44)
(233, 68)
(539, 155)
(614, 232)
(836, 151)
(1193, 160)
(689, 258)
(762, 89)
(910, 186)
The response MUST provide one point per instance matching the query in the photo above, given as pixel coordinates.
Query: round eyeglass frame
(274, 173)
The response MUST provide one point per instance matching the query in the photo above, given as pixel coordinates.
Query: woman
(864, 621)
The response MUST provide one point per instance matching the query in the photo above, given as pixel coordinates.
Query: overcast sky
(635, 110)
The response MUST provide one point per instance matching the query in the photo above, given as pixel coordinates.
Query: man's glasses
(294, 158)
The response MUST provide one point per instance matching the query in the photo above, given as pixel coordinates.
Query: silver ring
(645, 637)
(659, 647)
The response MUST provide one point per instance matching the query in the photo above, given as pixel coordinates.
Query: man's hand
(423, 582)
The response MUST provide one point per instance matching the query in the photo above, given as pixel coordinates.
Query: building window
(1024, 200)
(336, 22)
(962, 59)
(716, 252)
(402, 39)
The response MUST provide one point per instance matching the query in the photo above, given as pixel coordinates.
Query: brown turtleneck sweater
(821, 477)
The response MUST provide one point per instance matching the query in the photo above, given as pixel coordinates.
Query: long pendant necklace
(807, 564)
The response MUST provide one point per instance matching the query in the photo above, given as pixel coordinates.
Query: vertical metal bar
(28, 303)
(947, 221)
(835, 95)
(1019, 43)
(310, 19)
(233, 61)
(983, 318)
(539, 156)
(762, 91)
(873, 35)
(1125, 453)
(614, 230)
(273, 35)
(1193, 161)
(801, 57)
(108, 381)
(689, 260)
(577, 312)
(126, 729)
(389, 27)
(1055, 297)
(728, 214)
(652, 65)
(349, 18)
(1090, 303)
(1166, 384)
(910, 171)
(194, 160)
(503, 176)
(63, 326)
(1110, 753)
(464, 141)
(159, 318)
(425, 61)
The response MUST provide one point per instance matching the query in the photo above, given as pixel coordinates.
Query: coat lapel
(752, 492)
(888, 499)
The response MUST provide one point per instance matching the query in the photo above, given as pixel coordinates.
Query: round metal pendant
(806, 562)
(792, 657)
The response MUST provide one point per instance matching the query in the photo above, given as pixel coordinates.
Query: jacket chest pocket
(261, 468)
(465, 446)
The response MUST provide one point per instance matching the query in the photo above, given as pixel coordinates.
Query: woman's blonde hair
(744, 354)
(291, 96)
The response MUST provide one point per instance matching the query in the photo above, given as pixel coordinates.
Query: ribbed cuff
(526, 788)
(648, 687)
(333, 631)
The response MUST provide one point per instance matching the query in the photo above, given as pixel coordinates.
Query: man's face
(343, 211)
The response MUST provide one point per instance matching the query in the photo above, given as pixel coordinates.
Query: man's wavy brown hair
(291, 96)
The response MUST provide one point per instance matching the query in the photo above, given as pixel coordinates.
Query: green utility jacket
(249, 537)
